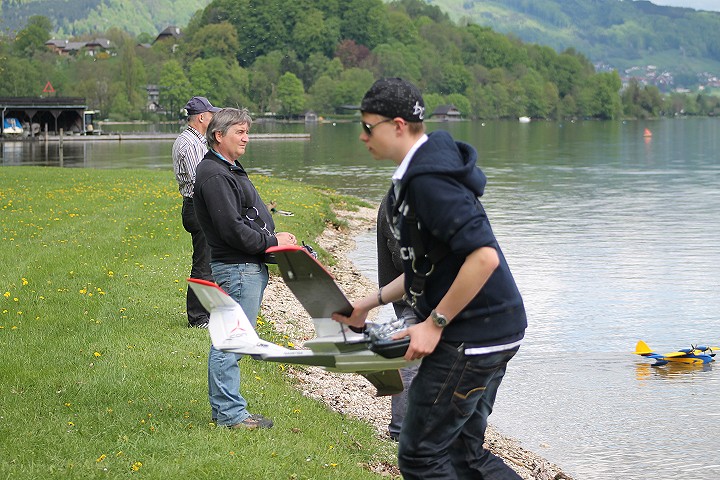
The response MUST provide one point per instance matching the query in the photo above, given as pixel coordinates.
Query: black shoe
(198, 325)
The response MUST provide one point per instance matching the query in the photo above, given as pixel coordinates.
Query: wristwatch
(438, 319)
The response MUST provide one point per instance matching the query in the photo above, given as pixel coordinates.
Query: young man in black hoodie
(470, 312)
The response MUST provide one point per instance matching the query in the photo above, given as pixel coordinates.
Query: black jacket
(224, 198)
(441, 186)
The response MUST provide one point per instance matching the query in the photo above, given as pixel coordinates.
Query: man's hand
(424, 337)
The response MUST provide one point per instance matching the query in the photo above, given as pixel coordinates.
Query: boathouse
(54, 114)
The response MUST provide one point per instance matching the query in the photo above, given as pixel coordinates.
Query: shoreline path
(351, 394)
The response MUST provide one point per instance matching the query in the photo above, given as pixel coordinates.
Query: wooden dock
(132, 137)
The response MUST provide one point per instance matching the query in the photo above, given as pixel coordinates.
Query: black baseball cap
(394, 97)
(198, 105)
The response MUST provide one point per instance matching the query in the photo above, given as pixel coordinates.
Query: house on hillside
(56, 46)
(153, 99)
(171, 35)
(446, 113)
(99, 45)
(91, 48)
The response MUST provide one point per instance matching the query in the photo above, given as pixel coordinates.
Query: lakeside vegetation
(289, 57)
(102, 379)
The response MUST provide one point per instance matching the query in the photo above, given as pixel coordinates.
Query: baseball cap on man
(394, 97)
(198, 105)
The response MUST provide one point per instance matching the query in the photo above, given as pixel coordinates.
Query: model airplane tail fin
(229, 328)
(642, 348)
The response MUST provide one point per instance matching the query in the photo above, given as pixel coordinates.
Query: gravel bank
(352, 394)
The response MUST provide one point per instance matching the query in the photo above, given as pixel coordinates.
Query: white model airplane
(336, 347)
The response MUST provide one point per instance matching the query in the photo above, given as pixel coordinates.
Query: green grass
(100, 378)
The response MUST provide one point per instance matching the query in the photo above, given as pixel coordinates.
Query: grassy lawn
(100, 378)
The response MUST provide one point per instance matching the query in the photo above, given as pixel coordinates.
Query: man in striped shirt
(188, 150)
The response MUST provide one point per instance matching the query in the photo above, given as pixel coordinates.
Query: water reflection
(671, 371)
(610, 239)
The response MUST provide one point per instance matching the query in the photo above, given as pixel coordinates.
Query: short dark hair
(223, 120)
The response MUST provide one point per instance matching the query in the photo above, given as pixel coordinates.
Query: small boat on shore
(524, 119)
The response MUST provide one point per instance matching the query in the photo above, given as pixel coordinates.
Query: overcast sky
(697, 4)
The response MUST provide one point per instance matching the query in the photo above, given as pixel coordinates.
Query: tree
(461, 102)
(221, 83)
(364, 21)
(175, 89)
(313, 35)
(132, 72)
(291, 95)
(432, 101)
(16, 75)
(215, 40)
(32, 38)
(397, 60)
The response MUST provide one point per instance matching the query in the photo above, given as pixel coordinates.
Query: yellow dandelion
(6, 294)
(100, 458)
(136, 466)
(71, 424)
(24, 281)
(67, 404)
(97, 354)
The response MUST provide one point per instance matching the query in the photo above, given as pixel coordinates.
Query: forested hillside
(79, 17)
(620, 33)
(288, 57)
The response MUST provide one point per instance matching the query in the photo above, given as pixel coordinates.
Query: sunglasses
(367, 128)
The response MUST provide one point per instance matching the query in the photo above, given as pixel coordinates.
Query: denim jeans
(245, 283)
(449, 403)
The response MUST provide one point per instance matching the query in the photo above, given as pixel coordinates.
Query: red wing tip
(284, 248)
(207, 283)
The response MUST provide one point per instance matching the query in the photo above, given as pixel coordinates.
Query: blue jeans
(245, 283)
(449, 402)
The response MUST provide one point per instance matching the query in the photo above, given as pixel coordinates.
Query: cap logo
(419, 110)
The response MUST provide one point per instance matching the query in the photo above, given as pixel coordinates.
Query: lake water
(612, 238)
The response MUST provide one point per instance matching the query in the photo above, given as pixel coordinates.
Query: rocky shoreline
(352, 394)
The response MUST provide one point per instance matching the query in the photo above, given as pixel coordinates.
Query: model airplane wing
(335, 347)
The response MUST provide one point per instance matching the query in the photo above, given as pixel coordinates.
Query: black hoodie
(223, 195)
(441, 186)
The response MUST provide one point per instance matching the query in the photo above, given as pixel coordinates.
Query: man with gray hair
(239, 228)
(187, 152)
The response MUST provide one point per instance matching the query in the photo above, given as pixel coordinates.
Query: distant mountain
(709, 5)
(620, 34)
(80, 17)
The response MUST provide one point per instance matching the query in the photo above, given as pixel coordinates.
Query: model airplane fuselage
(334, 348)
(695, 355)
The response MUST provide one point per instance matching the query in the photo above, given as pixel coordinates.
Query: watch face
(438, 319)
